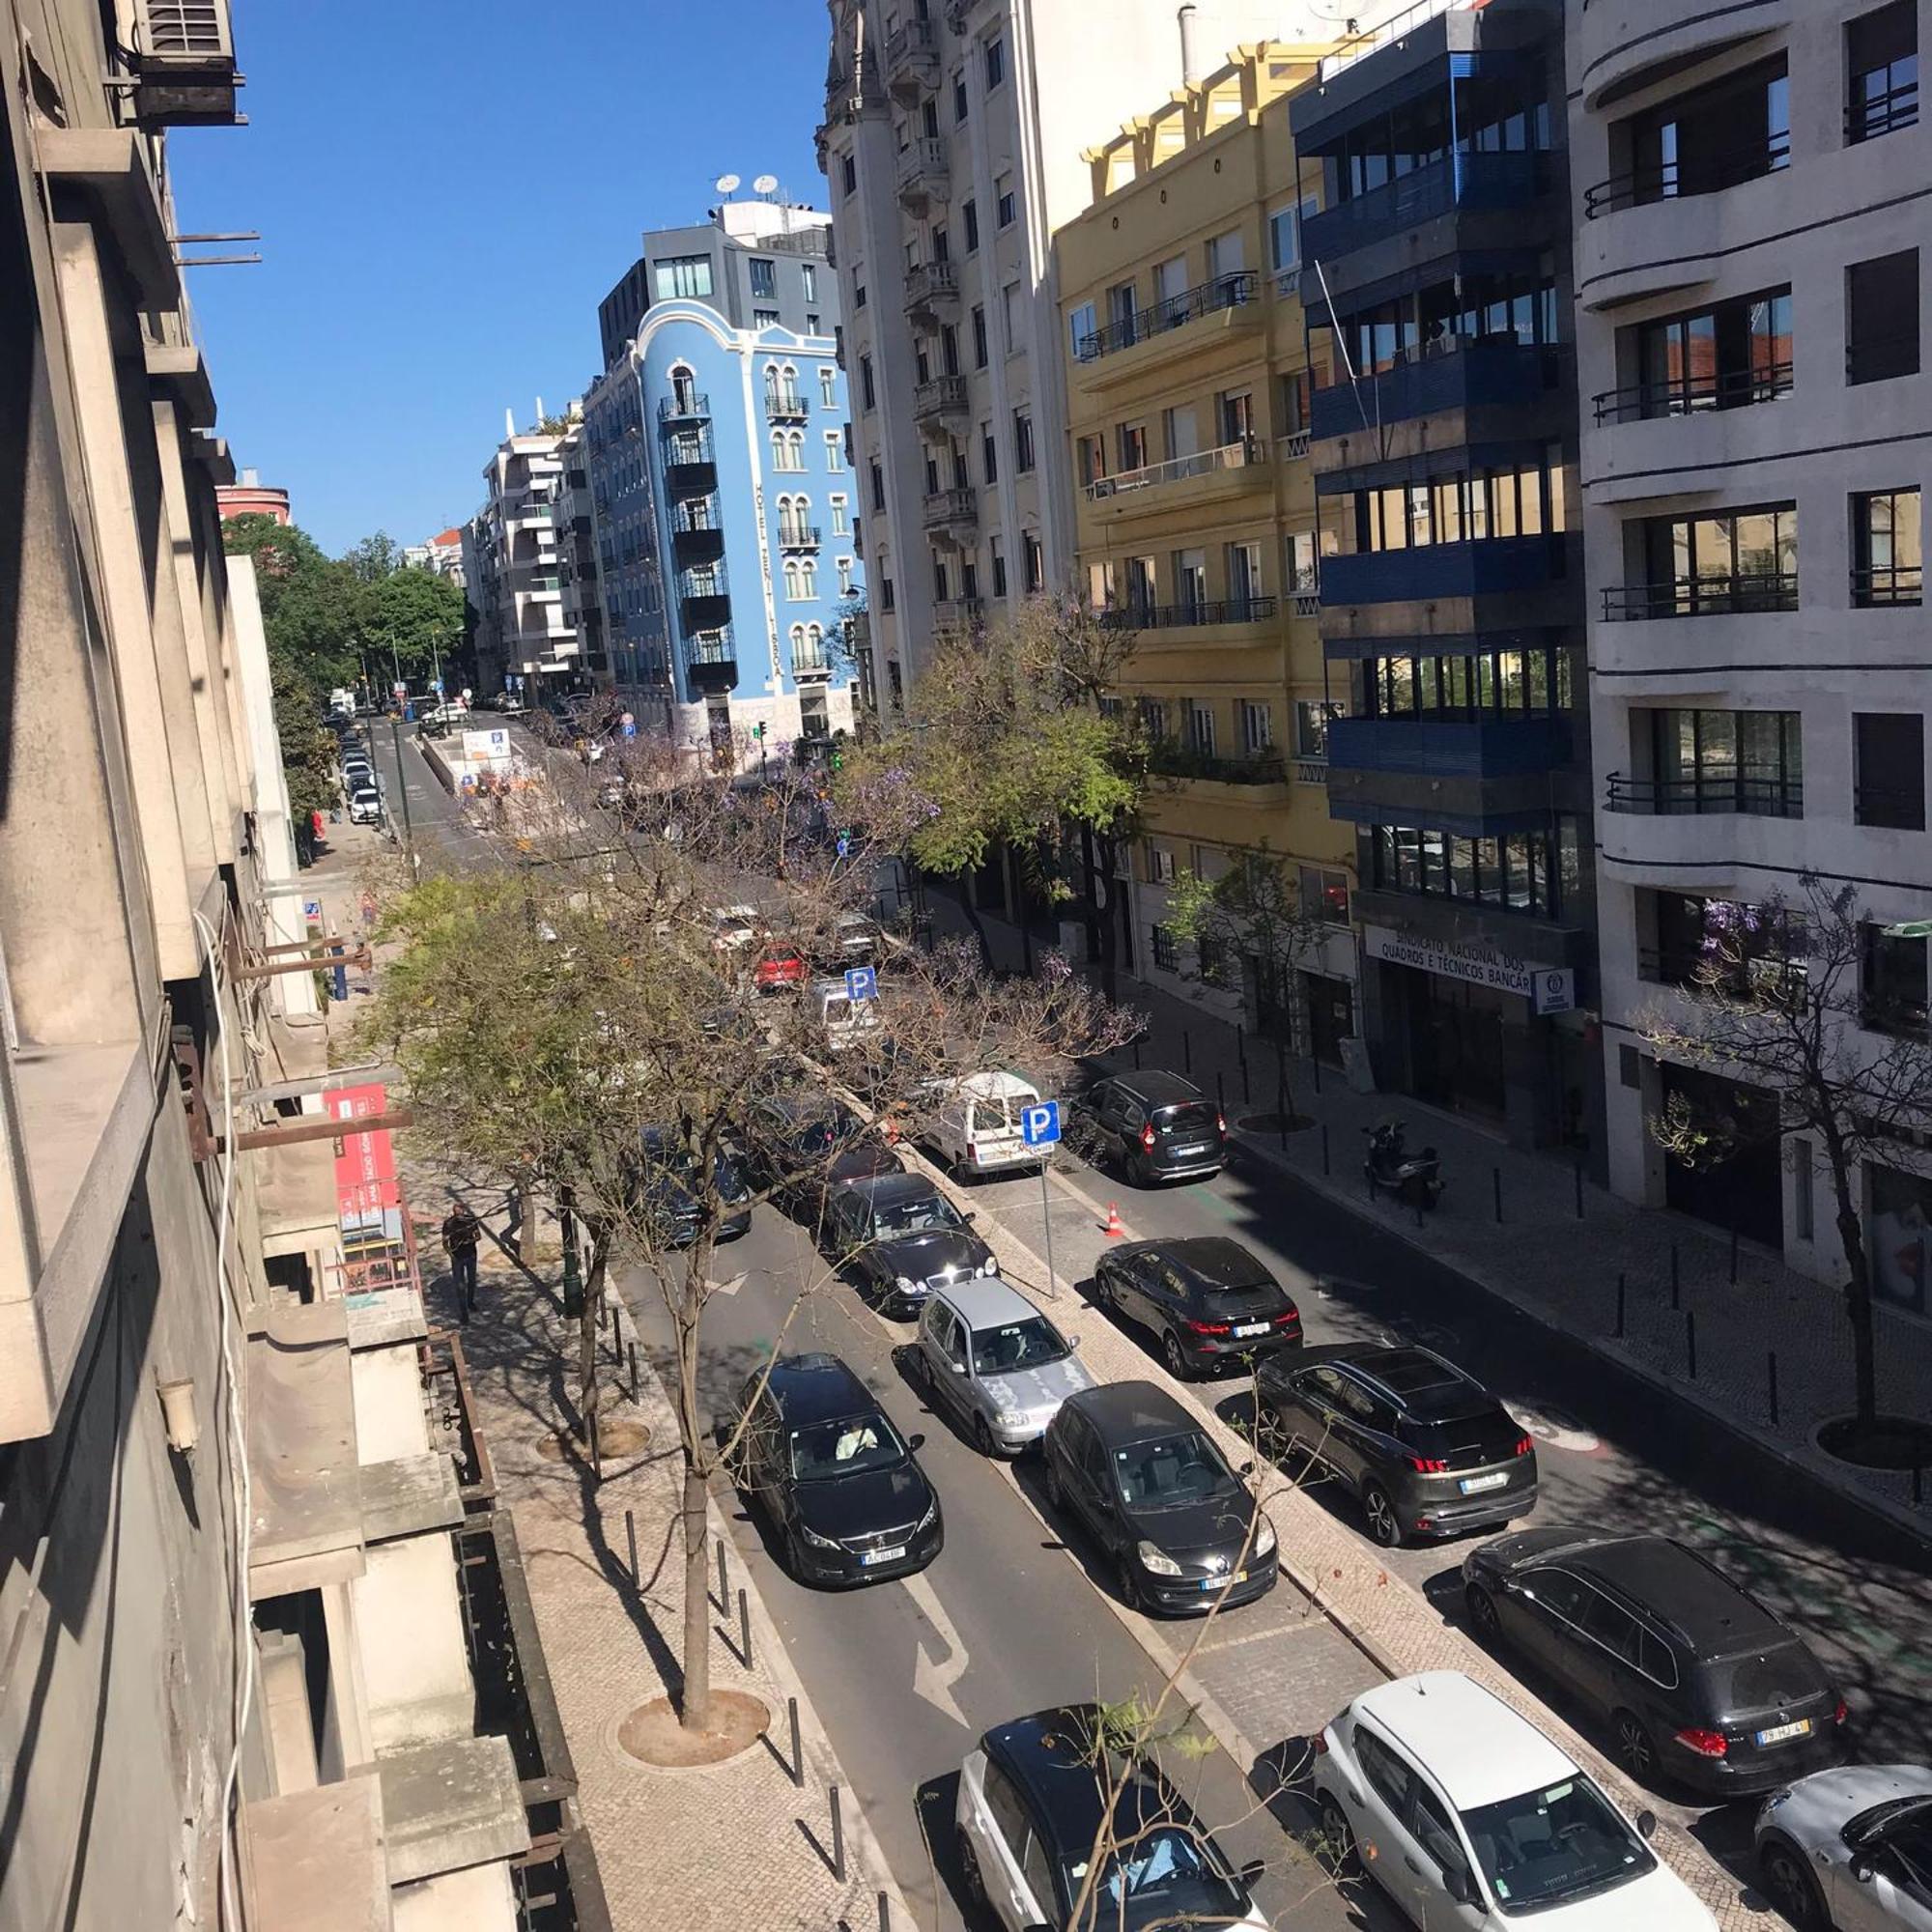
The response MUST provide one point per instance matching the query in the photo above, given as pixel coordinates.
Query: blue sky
(445, 188)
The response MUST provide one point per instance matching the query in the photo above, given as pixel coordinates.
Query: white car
(735, 927)
(1472, 1821)
(365, 805)
(1851, 1848)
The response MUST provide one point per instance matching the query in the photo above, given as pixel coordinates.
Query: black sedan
(1180, 1530)
(902, 1237)
(839, 1487)
(670, 1200)
(1206, 1299)
(1426, 1449)
(802, 1147)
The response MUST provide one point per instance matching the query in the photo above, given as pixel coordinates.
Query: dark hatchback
(670, 1200)
(1154, 1126)
(1699, 1683)
(1424, 1446)
(902, 1237)
(839, 1485)
(1144, 1479)
(1205, 1301)
(800, 1148)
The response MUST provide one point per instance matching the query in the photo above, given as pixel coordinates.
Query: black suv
(1698, 1681)
(670, 1201)
(1154, 1126)
(836, 1481)
(1427, 1448)
(803, 1146)
(901, 1236)
(1206, 1297)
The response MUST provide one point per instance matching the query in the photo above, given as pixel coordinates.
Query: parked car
(1426, 1448)
(840, 1488)
(988, 1355)
(733, 928)
(1144, 1479)
(802, 1147)
(1699, 1682)
(1155, 1125)
(365, 805)
(852, 940)
(975, 1124)
(1205, 1298)
(1467, 1816)
(357, 773)
(1032, 1801)
(666, 1188)
(1851, 1849)
(779, 969)
(904, 1238)
(840, 1022)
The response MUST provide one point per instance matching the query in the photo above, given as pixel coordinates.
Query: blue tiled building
(727, 513)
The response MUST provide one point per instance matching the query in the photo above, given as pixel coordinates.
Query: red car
(778, 969)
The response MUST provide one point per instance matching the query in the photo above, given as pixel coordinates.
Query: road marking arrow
(935, 1680)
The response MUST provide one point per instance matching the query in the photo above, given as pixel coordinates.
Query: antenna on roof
(726, 184)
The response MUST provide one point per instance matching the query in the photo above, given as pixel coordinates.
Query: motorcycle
(1415, 1180)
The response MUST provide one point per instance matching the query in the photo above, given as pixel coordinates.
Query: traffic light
(839, 761)
(758, 732)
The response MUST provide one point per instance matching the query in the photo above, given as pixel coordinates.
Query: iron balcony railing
(1679, 180)
(1882, 113)
(1173, 759)
(1886, 584)
(786, 405)
(1225, 292)
(1748, 593)
(1747, 794)
(1197, 615)
(1690, 395)
(1237, 455)
(798, 536)
(685, 406)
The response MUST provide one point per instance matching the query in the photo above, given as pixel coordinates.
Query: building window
(834, 449)
(1723, 358)
(1882, 318)
(1882, 64)
(807, 577)
(968, 215)
(765, 278)
(686, 277)
(877, 478)
(792, 592)
(996, 62)
(1749, 762)
(1225, 255)
(1036, 561)
(1022, 441)
(868, 393)
(764, 318)
(1161, 865)
(788, 450)
(979, 336)
(999, 561)
(1006, 208)
(1257, 723)
(989, 455)
(1891, 984)
(1900, 1237)
(959, 101)
(1887, 556)
(848, 173)
(836, 505)
(811, 325)
(1009, 318)
(844, 577)
(1166, 953)
(1131, 440)
(1890, 769)
(858, 295)
(1533, 872)
(1201, 727)
(942, 584)
(887, 597)
(1303, 579)
(1734, 561)
(1325, 895)
(808, 281)
(828, 385)
(1712, 137)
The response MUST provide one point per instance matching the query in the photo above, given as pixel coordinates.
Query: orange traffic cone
(1113, 1230)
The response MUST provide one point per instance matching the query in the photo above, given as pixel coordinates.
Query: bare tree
(1781, 998)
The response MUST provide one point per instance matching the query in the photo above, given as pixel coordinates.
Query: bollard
(1324, 1146)
(634, 1372)
(1247, 1099)
(745, 1626)
(1187, 1053)
(1137, 1053)
(1771, 1380)
(1496, 1190)
(630, 1539)
(885, 1912)
(1691, 1341)
(797, 1753)
(1241, 1053)
(1314, 1070)
(1281, 1115)
(1620, 1304)
(1676, 1300)
(1578, 1170)
(724, 1597)
(596, 1448)
(838, 1839)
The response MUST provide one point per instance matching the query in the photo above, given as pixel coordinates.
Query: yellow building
(1187, 405)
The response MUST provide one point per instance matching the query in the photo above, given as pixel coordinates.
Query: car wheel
(1103, 1290)
(1055, 1493)
(1129, 1583)
(1482, 1609)
(1337, 1844)
(1170, 1353)
(1790, 1885)
(1384, 1526)
(982, 1438)
(1636, 1750)
(970, 1879)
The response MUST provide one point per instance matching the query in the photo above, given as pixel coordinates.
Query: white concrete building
(1751, 211)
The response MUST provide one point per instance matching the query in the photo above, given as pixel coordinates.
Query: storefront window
(1901, 1237)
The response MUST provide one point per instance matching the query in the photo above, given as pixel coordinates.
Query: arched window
(828, 385)
(772, 386)
(683, 388)
(814, 639)
(791, 579)
(784, 452)
(797, 640)
(807, 577)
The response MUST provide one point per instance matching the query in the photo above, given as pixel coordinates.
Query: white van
(843, 1024)
(976, 1126)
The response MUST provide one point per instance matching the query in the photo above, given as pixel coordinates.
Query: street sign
(1039, 1124)
(861, 982)
(311, 908)
(628, 725)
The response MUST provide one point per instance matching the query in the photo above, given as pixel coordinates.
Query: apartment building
(718, 446)
(442, 554)
(1436, 279)
(1194, 518)
(952, 144)
(248, 496)
(1753, 234)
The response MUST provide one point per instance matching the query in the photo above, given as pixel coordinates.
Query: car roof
(985, 1300)
(1476, 1747)
(1157, 1084)
(887, 1188)
(1422, 1383)
(1131, 1411)
(1214, 1259)
(817, 1387)
(994, 1084)
(1046, 1755)
(1713, 1614)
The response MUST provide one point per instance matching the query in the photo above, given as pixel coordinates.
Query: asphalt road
(434, 823)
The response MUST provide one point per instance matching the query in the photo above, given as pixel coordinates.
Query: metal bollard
(745, 1626)
(1676, 1287)
(1281, 1115)
(1247, 1099)
(838, 1839)
(634, 1372)
(1620, 1305)
(1771, 1380)
(1579, 1172)
(1314, 1069)
(885, 1912)
(1187, 1053)
(631, 1540)
(1324, 1146)
(1137, 1053)
(797, 1751)
(724, 1597)
(1691, 1340)
(1496, 1190)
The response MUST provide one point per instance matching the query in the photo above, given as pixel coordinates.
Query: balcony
(1172, 760)
(912, 61)
(923, 174)
(958, 613)
(695, 544)
(806, 662)
(1459, 183)
(1243, 454)
(684, 406)
(938, 403)
(786, 405)
(798, 536)
(1693, 395)
(1223, 293)
(932, 292)
(712, 661)
(951, 516)
(1449, 747)
(1486, 566)
(1741, 794)
(688, 476)
(1625, 45)
(1197, 616)
(1746, 594)
(704, 609)
(1460, 373)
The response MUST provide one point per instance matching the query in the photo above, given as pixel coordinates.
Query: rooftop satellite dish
(726, 184)
(764, 184)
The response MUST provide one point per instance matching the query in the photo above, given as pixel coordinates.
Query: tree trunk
(972, 911)
(1858, 1284)
(1104, 924)
(593, 1301)
(694, 1707)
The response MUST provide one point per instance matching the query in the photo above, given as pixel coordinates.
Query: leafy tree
(374, 558)
(308, 748)
(410, 617)
(1777, 1000)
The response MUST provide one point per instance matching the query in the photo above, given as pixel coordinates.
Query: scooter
(1415, 1180)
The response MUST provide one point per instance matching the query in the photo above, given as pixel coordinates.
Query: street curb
(1895, 1516)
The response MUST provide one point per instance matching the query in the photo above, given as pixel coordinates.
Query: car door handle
(1411, 1864)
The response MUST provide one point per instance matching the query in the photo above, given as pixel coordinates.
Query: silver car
(1851, 1848)
(989, 1355)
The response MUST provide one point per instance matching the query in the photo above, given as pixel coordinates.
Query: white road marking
(1554, 1432)
(933, 1680)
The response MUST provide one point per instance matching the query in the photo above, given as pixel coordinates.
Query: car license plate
(1470, 1485)
(1778, 1733)
(882, 1555)
(1252, 1328)
(1222, 1582)
(1197, 1147)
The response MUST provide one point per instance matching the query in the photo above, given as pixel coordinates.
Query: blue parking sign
(861, 982)
(1039, 1124)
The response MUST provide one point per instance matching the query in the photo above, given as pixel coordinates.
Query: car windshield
(1020, 1345)
(915, 1216)
(827, 1450)
(1177, 1469)
(1165, 1876)
(1554, 1844)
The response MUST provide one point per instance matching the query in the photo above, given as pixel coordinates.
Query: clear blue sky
(445, 188)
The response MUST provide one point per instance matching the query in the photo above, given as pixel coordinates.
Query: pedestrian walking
(460, 1233)
(513, 1221)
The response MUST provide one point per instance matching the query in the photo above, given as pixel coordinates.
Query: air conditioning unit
(184, 64)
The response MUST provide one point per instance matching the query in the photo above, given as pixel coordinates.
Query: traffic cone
(1113, 1230)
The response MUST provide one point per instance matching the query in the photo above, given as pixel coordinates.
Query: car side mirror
(971, 1214)
(915, 1444)
(1253, 1872)
(1862, 1869)
(1073, 1340)
(1247, 1469)
(1646, 1823)
(1456, 1882)
(958, 1367)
